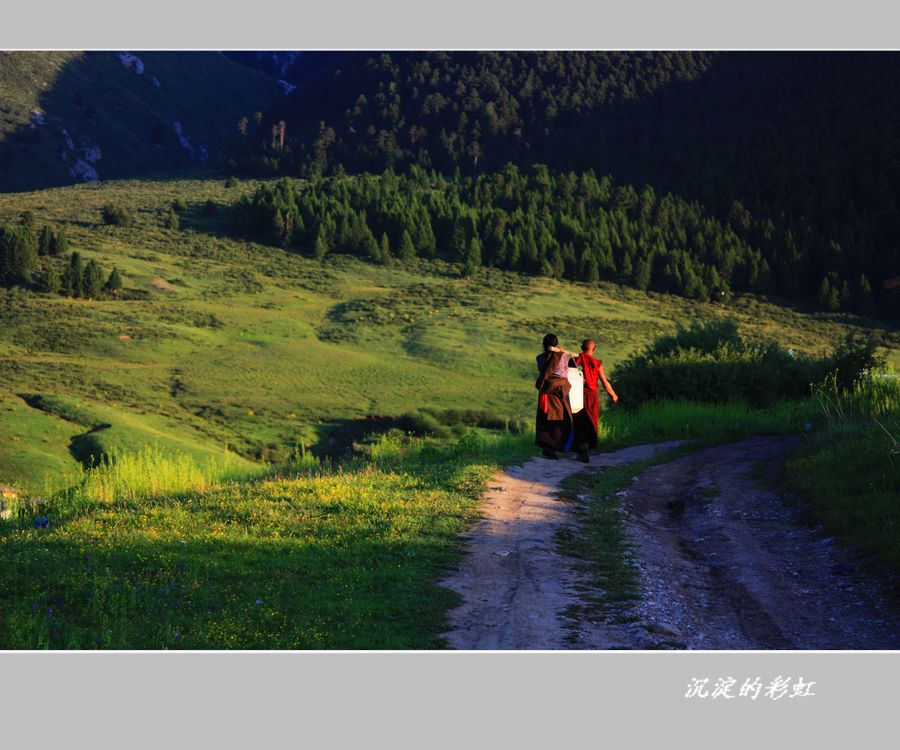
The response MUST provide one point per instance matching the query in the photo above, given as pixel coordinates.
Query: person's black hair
(550, 340)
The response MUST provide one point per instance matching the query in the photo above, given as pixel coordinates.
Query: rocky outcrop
(83, 171)
(132, 62)
(198, 153)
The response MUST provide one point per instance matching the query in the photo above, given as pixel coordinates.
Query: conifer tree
(113, 284)
(73, 277)
(18, 254)
(407, 251)
(321, 246)
(93, 279)
(472, 257)
(45, 240)
(52, 281)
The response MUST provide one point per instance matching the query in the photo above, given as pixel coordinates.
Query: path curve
(725, 561)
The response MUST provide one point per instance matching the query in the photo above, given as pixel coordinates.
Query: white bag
(576, 392)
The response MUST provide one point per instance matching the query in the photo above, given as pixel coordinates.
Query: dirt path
(513, 581)
(723, 562)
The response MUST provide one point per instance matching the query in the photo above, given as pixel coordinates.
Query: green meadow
(179, 436)
(225, 347)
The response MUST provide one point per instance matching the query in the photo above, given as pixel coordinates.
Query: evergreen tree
(829, 296)
(472, 257)
(113, 284)
(45, 240)
(557, 264)
(385, 249)
(865, 302)
(424, 238)
(321, 246)
(73, 277)
(18, 254)
(93, 279)
(458, 243)
(51, 281)
(407, 251)
(370, 246)
(60, 243)
(644, 273)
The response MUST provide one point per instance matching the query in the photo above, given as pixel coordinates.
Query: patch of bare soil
(725, 561)
(160, 284)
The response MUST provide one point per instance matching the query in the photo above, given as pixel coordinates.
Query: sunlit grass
(334, 558)
(850, 470)
(151, 472)
(674, 420)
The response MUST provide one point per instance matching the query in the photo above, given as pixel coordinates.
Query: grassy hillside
(237, 346)
(100, 102)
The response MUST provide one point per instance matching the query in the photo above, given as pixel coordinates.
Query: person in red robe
(587, 427)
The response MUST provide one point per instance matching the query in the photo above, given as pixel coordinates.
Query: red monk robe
(593, 372)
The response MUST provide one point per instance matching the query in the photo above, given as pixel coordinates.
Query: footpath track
(725, 560)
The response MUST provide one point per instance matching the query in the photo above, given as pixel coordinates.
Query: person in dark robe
(587, 421)
(554, 422)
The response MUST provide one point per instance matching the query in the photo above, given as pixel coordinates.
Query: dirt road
(723, 561)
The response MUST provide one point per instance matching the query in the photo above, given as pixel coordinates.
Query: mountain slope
(798, 152)
(75, 116)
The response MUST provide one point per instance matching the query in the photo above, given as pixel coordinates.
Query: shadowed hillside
(69, 117)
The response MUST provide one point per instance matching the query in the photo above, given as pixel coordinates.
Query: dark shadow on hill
(101, 118)
(341, 438)
(86, 448)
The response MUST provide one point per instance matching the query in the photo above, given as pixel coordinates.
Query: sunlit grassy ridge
(240, 346)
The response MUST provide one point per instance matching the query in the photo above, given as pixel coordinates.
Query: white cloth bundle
(576, 392)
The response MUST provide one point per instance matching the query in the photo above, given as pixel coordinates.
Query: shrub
(116, 215)
(710, 362)
(179, 205)
(232, 182)
(210, 208)
(171, 220)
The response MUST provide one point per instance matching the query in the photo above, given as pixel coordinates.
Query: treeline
(575, 226)
(444, 110)
(33, 258)
(797, 152)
